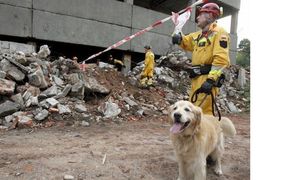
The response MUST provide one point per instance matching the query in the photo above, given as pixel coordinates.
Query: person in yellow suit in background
(117, 63)
(210, 55)
(148, 70)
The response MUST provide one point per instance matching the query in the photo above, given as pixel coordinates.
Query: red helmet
(211, 8)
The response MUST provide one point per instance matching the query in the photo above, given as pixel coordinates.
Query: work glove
(207, 86)
(177, 39)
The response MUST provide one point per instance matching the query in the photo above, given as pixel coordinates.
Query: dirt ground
(132, 150)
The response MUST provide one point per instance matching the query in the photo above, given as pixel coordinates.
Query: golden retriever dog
(195, 136)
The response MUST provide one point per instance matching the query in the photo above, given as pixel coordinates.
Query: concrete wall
(107, 11)
(55, 27)
(15, 21)
(20, 3)
(93, 22)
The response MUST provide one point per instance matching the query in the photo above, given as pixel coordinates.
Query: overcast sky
(243, 21)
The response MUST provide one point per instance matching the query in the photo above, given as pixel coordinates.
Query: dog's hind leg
(216, 155)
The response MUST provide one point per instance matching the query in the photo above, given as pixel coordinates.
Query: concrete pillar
(233, 35)
(129, 2)
(127, 60)
(234, 20)
(193, 12)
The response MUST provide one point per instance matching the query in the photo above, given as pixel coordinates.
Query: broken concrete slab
(58, 81)
(85, 123)
(92, 85)
(44, 104)
(9, 118)
(78, 90)
(50, 92)
(2, 74)
(17, 98)
(65, 91)
(242, 78)
(7, 87)
(41, 115)
(24, 121)
(52, 101)
(63, 109)
(73, 78)
(34, 100)
(110, 109)
(34, 91)
(43, 52)
(80, 108)
(20, 57)
(232, 107)
(8, 107)
(37, 78)
(12, 72)
(129, 101)
(26, 96)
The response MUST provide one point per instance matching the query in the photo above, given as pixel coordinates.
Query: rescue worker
(210, 55)
(147, 72)
(117, 63)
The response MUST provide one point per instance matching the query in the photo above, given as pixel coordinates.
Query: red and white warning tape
(143, 31)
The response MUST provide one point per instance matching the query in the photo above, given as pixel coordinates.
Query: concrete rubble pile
(33, 87)
(37, 90)
(170, 73)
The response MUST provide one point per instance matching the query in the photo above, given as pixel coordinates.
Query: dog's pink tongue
(175, 128)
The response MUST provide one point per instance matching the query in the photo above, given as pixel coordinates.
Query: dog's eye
(186, 109)
(175, 108)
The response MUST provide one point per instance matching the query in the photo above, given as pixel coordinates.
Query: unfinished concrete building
(97, 24)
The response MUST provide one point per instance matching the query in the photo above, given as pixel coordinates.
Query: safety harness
(198, 70)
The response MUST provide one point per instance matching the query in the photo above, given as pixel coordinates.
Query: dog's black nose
(177, 117)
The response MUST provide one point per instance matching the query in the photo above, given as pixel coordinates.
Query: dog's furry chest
(194, 145)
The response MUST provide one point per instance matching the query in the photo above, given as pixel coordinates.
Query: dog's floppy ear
(197, 113)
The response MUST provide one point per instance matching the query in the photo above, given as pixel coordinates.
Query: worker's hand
(207, 86)
(177, 39)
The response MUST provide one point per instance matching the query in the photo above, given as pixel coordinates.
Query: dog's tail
(227, 127)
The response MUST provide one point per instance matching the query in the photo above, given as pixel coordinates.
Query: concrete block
(6, 86)
(15, 21)
(14, 46)
(109, 11)
(23, 3)
(49, 26)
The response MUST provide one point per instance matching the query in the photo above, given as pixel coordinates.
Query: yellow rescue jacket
(213, 50)
(148, 65)
(115, 61)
